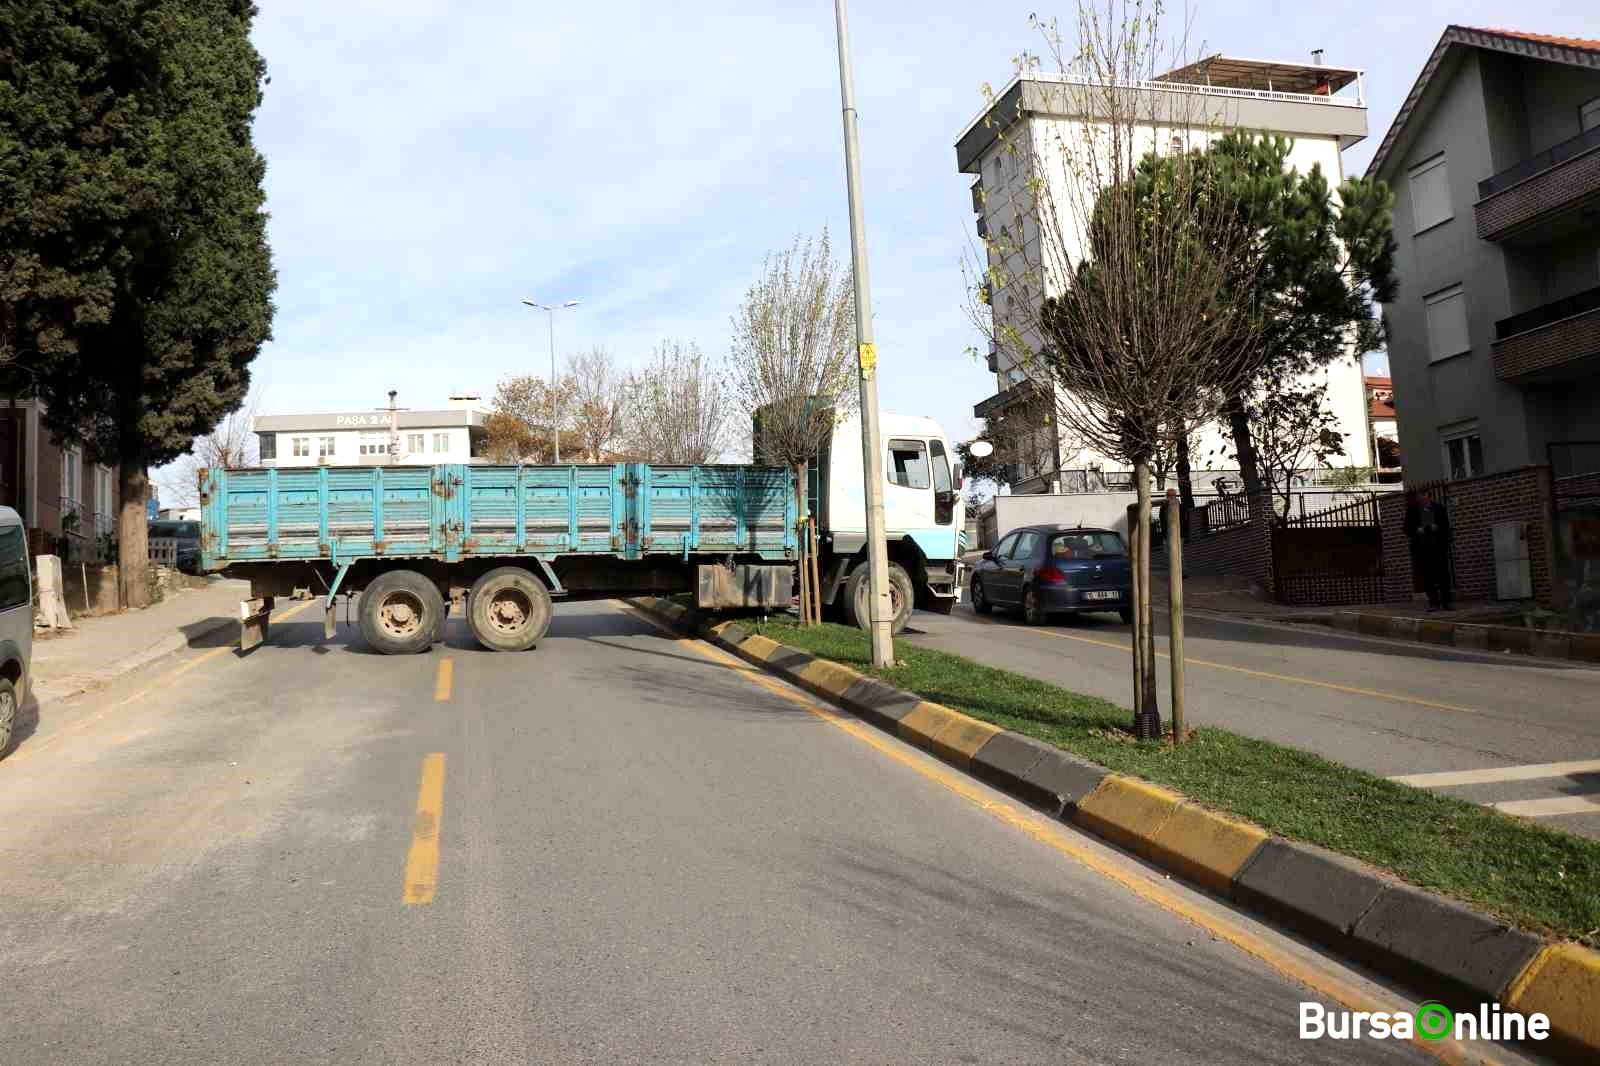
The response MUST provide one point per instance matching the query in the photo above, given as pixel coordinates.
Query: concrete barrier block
(1552, 645)
(828, 678)
(1374, 625)
(1349, 621)
(730, 632)
(1432, 632)
(1471, 636)
(1312, 891)
(881, 704)
(1004, 760)
(1409, 931)
(924, 721)
(961, 739)
(790, 661)
(1403, 628)
(1126, 811)
(1206, 847)
(1586, 647)
(1511, 638)
(759, 647)
(1563, 983)
(1065, 778)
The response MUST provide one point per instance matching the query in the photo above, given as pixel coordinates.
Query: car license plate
(1111, 595)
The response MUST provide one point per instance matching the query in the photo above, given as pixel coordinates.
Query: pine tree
(135, 277)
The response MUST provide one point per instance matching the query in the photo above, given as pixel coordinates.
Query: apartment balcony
(977, 197)
(1023, 391)
(1558, 340)
(993, 359)
(1532, 200)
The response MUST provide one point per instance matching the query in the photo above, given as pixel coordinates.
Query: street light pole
(550, 310)
(882, 612)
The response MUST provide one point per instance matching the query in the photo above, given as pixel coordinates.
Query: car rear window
(1085, 545)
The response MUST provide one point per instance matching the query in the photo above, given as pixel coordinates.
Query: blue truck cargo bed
(455, 512)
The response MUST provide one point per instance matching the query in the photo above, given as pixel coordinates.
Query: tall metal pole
(867, 357)
(555, 414)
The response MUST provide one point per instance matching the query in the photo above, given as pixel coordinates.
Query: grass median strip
(1528, 874)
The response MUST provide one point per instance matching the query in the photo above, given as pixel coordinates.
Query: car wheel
(857, 592)
(8, 712)
(1032, 607)
(980, 602)
(508, 609)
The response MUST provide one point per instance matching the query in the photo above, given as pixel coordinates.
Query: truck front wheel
(401, 613)
(858, 597)
(509, 609)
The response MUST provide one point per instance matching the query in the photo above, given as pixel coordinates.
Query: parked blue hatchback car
(1045, 570)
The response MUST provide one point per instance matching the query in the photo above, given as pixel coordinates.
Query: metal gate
(1575, 501)
(1330, 557)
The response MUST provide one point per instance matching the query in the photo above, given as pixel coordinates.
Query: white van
(16, 621)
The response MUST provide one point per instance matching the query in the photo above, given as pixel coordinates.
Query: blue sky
(430, 164)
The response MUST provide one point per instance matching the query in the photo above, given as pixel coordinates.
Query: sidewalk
(99, 650)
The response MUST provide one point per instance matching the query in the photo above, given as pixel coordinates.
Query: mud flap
(329, 622)
(254, 616)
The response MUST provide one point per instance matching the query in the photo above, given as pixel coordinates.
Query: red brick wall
(1476, 505)
(1557, 187)
(1243, 551)
(1554, 345)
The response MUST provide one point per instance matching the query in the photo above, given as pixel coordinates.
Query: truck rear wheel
(509, 609)
(401, 613)
(858, 595)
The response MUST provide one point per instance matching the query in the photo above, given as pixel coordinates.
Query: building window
(908, 464)
(416, 442)
(1589, 116)
(1447, 323)
(1463, 454)
(268, 445)
(1430, 194)
(374, 443)
(72, 480)
(325, 446)
(302, 447)
(441, 442)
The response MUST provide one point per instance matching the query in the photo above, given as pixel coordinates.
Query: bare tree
(1113, 278)
(678, 407)
(1292, 430)
(598, 393)
(793, 358)
(231, 445)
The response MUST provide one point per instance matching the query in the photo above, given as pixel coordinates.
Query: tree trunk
(20, 489)
(807, 593)
(1243, 446)
(133, 551)
(1147, 714)
(1175, 617)
(1138, 644)
(1185, 475)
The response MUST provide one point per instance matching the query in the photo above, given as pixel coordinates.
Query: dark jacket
(1418, 533)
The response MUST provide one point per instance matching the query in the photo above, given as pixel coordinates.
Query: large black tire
(8, 712)
(980, 600)
(858, 593)
(401, 613)
(509, 609)
(1033, 612)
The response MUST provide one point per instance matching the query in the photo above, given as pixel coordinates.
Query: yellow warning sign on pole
(869, 357)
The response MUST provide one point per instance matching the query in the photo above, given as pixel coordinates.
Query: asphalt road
(1509, 729)
(617, 848)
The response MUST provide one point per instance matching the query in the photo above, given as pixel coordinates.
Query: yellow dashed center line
(441, 684)
(422, 861)
(1060, 839)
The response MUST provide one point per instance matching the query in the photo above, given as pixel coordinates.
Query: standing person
(1428, 530)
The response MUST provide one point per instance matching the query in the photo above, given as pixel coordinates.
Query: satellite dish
(980, 449)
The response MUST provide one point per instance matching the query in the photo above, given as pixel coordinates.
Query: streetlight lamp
(550, 310)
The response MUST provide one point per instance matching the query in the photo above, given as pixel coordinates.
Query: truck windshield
(941, 466)
(908, 464)
(1081, 545)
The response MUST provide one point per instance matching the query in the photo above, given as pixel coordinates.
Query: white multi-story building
(375, 438)
(1321, 108)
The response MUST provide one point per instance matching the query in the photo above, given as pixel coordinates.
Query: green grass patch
(1536, 877)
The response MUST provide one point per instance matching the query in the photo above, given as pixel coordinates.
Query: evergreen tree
(135, 277)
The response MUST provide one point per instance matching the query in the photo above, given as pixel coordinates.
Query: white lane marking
(1530, 772)
(1546, 807)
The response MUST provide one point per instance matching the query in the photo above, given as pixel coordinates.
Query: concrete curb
(77, 684)
(1518, 640)
(1438, 946)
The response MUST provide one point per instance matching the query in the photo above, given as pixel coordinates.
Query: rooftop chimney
(1316, 56)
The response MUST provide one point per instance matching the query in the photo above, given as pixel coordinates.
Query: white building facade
(1019, 138)
(454, 434)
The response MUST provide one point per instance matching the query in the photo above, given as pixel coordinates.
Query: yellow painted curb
(1127, 811)
(829, 677)
(1563, 982)
(759, 647)
(961, 738)
(1206, 847)
(923, 723)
